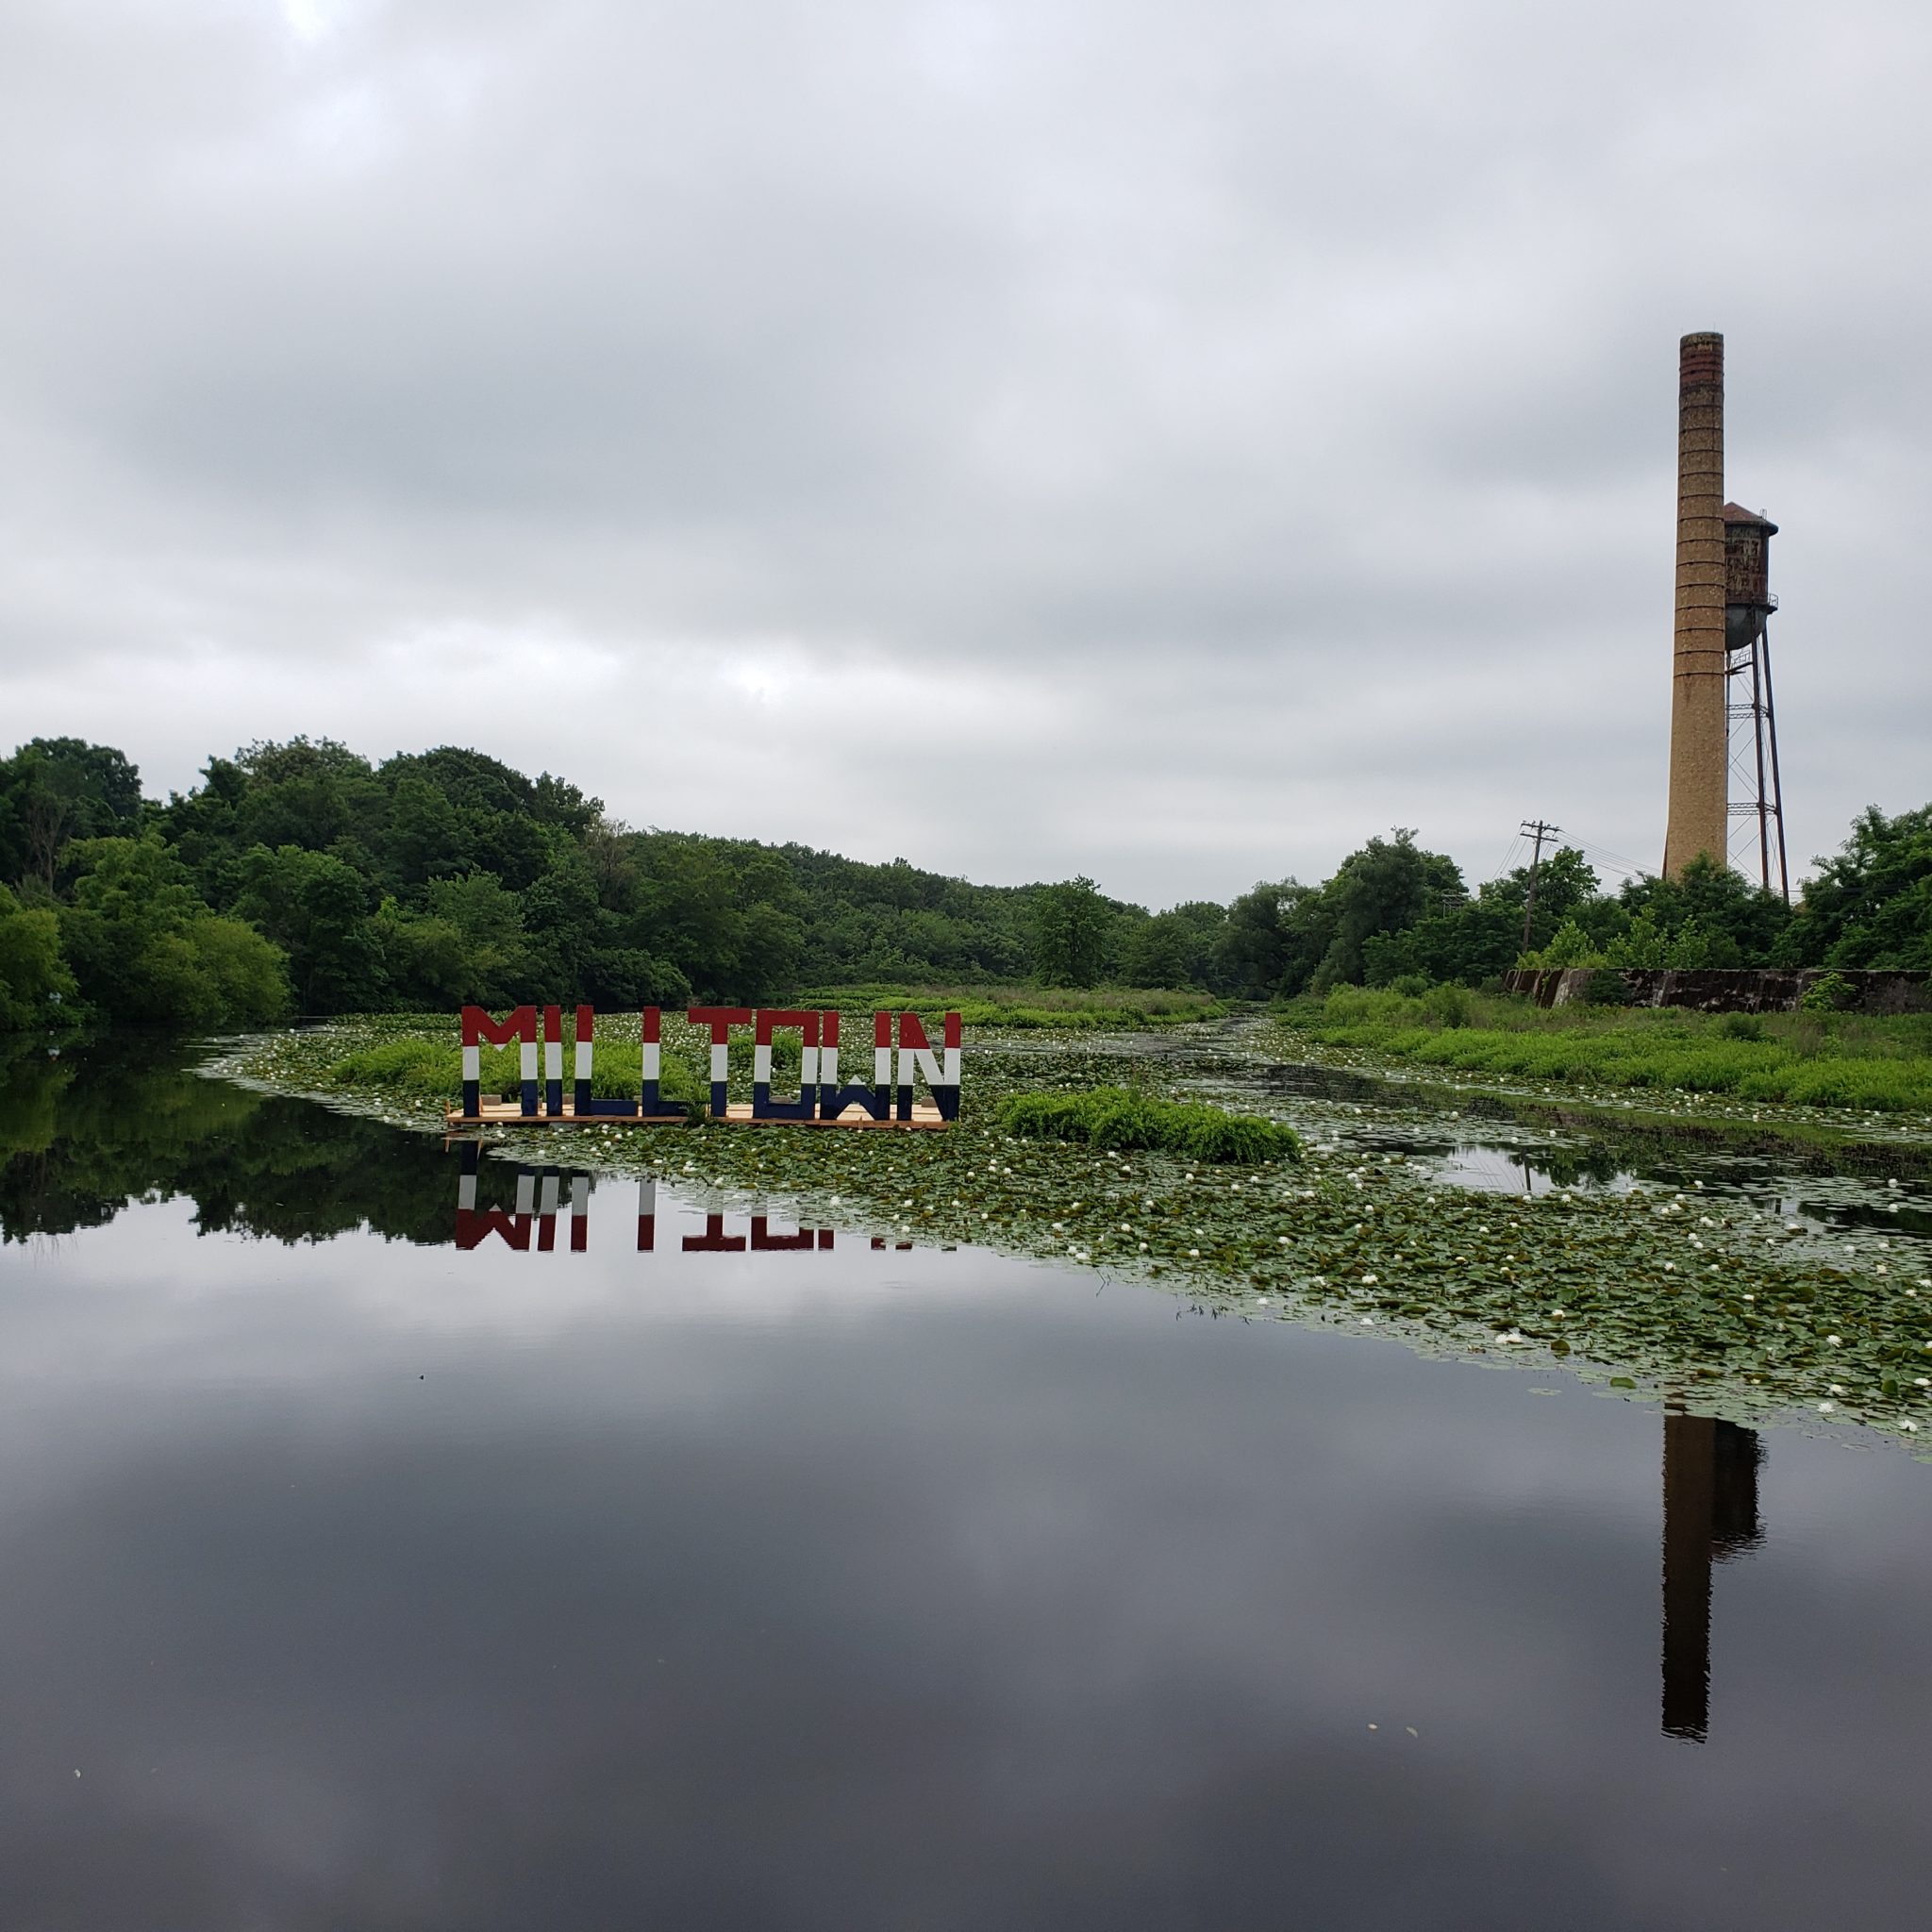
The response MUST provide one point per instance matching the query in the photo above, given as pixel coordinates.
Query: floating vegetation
(1117, 1117)
(1733, 1306)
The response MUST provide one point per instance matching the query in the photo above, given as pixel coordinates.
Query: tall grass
(1118, 1118)
(1804, 1059)
(1127, 1008)
(429, 1070)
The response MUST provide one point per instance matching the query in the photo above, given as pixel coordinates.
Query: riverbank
(1812, 1065)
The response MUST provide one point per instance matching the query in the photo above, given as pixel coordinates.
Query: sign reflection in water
(541, 1195)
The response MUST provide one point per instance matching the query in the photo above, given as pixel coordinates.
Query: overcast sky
(1170, 441)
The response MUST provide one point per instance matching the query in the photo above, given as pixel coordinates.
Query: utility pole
(1539, 832)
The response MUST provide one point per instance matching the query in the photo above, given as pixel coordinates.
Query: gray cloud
(1173, 443)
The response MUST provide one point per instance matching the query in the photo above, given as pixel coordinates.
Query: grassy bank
(1803, 1059)
(1033, 1007)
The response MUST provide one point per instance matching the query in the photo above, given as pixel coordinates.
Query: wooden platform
(505, 1113)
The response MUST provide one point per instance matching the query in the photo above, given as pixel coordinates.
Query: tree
(315, 906)
(1871, 906)
(35, 981)
(57, 790)
(1173, 949)
(1071, 928)
(145, 948)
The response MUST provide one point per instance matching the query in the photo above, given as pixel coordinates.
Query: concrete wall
(1715, 990)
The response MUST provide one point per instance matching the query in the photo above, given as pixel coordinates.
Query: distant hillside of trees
(301, 877)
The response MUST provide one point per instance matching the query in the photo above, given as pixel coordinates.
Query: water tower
(1756, 808)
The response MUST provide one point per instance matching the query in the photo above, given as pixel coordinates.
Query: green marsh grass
(1122, 1118)
(1805, 1059)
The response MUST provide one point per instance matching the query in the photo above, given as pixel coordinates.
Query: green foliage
(35, 981)
(422, 1068)
(1071, 931)
(435, 877)
(54, 790)
(1175, 948)
(1831, 993)
(1871, 906)
(1882, 1065)
(144, 947)
(1120, 1119)
(1570, 945)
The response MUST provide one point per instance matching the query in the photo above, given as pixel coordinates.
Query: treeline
(301, 877)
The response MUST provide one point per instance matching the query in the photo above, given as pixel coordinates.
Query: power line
(1538, 831)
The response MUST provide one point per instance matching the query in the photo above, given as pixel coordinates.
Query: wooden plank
(503, 1114)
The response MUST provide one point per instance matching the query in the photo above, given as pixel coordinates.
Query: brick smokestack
(1699, 818)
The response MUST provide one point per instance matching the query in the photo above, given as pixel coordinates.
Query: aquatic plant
(1117, 1117)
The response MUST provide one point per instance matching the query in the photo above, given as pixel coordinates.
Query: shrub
(1831, 993)
(1115, 1117)
(1739, 1026)
(1606, 988)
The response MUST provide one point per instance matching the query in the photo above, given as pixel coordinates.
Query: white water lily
(1368, 1281)
(1835, 1340)
(1194, 1253)
(1826, 1407)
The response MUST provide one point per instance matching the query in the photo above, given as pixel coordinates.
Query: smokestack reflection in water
(1710, 1512)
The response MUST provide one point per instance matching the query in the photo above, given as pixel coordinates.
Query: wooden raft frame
(508, 1113)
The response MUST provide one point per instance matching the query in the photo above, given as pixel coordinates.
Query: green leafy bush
(1117, 1118)
(1831, 993)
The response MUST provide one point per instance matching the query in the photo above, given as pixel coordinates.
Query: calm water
(353, 1577)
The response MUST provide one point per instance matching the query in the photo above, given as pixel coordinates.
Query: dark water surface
(366, 1580)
